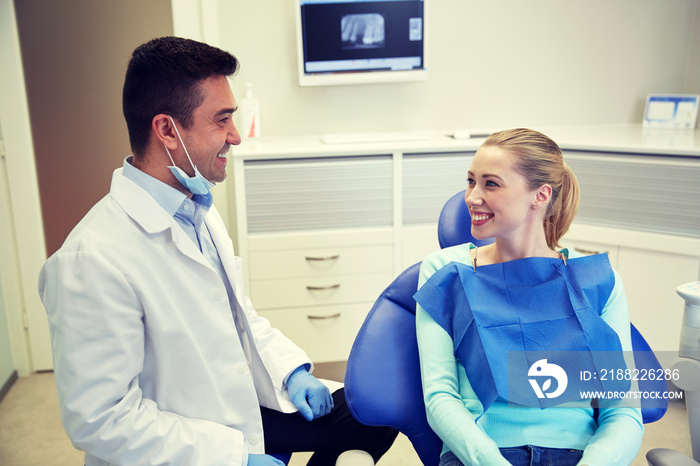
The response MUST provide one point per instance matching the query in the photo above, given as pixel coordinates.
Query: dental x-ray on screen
(361, 41)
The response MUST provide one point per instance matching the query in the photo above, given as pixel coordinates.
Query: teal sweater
(457, 416)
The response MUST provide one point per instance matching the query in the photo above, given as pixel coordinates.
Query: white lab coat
(147, 359)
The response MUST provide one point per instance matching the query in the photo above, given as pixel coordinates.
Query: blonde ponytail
(562, 210)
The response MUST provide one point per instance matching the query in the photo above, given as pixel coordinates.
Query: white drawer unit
(289, 272)
(323, 229)
(326, 333)
(317, 286)
(320, 262)
(314, 291)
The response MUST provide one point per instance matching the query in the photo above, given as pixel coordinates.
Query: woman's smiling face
(498, 197)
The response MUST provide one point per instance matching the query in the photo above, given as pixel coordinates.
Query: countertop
(619, 138)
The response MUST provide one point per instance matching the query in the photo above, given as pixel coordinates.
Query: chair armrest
(667, 457)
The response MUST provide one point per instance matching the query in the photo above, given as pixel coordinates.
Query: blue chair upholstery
(382, 380)
(644, 358)
(454, 224)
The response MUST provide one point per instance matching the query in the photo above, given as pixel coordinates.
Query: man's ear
(542, 196)
(163, 130)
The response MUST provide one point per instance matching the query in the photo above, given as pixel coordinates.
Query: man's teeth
(479, 218)
(221, 156)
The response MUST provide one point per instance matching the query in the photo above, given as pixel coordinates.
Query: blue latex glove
(309, 395)
(263, 460)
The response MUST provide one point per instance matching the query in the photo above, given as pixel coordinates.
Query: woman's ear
(163, 130)
(542, 197)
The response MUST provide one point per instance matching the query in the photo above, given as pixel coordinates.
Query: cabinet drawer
(325, 333)
(317, 291)
(266, 265)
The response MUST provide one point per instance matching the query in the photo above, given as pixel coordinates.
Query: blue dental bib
(512, 324)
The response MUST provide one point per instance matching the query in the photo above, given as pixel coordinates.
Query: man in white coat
(159, 357)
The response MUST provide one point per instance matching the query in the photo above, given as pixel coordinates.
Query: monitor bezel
(338, 79)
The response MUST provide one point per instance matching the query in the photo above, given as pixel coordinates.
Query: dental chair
(382, 379)
(688, 367)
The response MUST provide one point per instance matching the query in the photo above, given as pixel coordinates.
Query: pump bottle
(250, 114)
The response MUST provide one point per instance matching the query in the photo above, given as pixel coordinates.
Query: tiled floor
(31, 433)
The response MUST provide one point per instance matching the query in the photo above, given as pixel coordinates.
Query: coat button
(218, 295)
(253, 439)
(240, 368)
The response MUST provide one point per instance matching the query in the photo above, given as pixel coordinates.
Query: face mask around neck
(196, 184)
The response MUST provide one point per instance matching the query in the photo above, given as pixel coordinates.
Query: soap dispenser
(250, 114)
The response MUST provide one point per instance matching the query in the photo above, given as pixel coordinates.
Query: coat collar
(151, 217)
(138, 204)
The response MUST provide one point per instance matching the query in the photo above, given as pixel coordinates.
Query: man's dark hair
(164, 76)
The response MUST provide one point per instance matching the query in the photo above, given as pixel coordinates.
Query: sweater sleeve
(452, 407)
(619, 435)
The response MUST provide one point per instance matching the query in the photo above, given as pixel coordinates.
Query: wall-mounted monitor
(361, 41)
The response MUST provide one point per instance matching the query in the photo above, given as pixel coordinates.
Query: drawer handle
(326, 258)
(332, 316)
(588, 252)
(322, 288)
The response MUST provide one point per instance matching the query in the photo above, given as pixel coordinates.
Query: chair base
(355, 458)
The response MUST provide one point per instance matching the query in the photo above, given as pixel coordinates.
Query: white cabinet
(326, 333)
(643, 210)
(650, 279)
(651, 266)
(318, 193)
(323, 229)
(318, 244)
(638, 192)
(317, 287)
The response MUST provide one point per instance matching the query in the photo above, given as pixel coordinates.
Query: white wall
(692, 76)
(7, 363)
(492, 64)
(31, 350)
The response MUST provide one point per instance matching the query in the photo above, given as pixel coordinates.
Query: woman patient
(489, 319)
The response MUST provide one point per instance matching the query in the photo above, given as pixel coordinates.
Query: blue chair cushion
(644, 358)
(382, 379)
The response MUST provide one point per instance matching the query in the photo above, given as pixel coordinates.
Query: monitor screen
(360, 41)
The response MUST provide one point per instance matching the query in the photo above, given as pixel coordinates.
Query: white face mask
(196, 184)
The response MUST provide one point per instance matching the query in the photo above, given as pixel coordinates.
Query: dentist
(159, 357)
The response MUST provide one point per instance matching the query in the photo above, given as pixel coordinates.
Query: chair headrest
(454, 224)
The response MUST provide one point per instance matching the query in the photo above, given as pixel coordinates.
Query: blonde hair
(540, 161)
